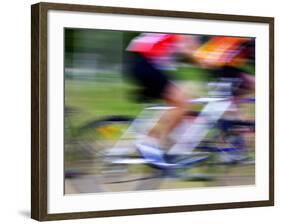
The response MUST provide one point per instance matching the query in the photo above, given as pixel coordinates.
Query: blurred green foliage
(103, 43)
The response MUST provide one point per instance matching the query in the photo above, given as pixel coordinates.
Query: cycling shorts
(151, 81)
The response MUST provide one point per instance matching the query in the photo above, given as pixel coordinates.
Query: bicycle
(120, 162)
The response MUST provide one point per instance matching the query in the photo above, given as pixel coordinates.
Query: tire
(105, 169)
(228, 153)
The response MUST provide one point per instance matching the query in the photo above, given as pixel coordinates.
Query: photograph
(140, 111)
(152, 111)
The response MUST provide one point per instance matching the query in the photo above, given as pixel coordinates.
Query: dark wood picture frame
(39, 202)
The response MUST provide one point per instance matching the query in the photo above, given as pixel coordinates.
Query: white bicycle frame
(193, 133)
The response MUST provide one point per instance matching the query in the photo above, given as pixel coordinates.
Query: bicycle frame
(200, 127)
(193, 132)
(150, 116)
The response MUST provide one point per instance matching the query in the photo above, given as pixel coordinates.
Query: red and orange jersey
(221, 51)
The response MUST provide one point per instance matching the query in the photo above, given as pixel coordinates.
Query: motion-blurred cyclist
(152, 55)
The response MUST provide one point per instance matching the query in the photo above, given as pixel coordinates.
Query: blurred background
(96, 86)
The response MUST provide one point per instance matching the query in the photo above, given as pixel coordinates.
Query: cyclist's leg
(155, 84)
(175, 97)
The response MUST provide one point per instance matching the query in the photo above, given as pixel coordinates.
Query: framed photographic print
(138, 111)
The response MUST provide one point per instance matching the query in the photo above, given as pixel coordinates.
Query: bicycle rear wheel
(113, 163)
